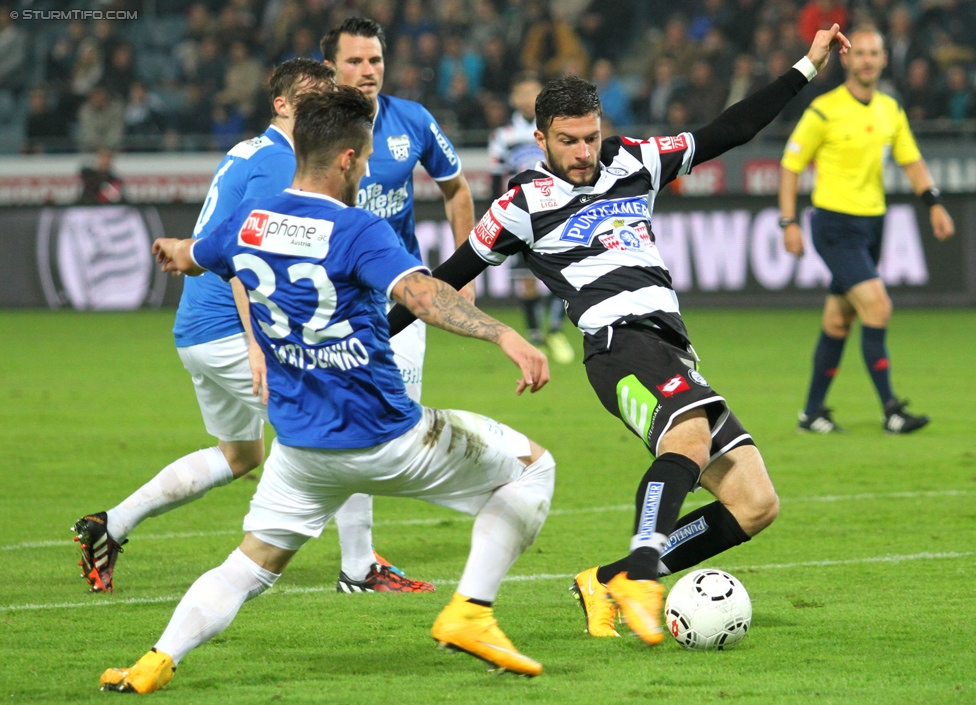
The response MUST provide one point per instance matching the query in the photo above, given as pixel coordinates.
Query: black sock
(875, 354)
(483, 603)
(659, 498)
(701, 534)
(826, 359)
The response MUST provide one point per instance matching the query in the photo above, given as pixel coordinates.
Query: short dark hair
(355, 26)
(288, 78)
(327, 123)
(569, 96)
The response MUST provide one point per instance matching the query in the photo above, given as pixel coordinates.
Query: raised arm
(743, 121)
(437, 304)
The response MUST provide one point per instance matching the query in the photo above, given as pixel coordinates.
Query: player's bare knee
(242, 456)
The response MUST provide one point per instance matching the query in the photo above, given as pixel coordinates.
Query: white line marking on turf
(554, 512)
(509, 579)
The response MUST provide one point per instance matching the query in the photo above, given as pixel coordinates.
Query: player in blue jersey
(213, 345)
(318, 275)
(404, 134)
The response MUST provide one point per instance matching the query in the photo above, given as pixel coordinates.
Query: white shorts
(409, 346)
(222, 380)
(452, 458)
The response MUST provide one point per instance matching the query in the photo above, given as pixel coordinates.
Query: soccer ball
(708, 609)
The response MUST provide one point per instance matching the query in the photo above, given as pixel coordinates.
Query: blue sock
(826, 360)
(876, 358)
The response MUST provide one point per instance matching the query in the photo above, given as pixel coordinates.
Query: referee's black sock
(659, 498)
(875, 354)
(826, 359)
(699, 535)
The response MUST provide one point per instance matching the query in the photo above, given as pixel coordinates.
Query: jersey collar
(311, 194)
(541, 166)
(282, 136)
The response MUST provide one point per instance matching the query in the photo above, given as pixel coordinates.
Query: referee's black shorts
(850, 246)
(647, 380)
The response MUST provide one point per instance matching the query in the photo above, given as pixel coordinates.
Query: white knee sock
(505, 527)
(180, 482)
(212, 602)
(354, 522)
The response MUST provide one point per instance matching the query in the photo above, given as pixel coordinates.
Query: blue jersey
(261, 166)
(404, 133)
(318, 275)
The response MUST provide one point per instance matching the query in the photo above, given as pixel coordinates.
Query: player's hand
(942, 224)
(164, 249)
(531, 360)
(793, 239)
(259, 371)
(824, 43)
(467, 291)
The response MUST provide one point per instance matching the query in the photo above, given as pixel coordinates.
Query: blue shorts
(850, 246)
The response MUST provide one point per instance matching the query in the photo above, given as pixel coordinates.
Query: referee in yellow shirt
(849, 132)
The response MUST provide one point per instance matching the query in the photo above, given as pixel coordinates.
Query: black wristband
(931, 197)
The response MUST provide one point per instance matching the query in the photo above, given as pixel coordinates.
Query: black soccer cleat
(898, 421)
(820, 422)
(99, 551)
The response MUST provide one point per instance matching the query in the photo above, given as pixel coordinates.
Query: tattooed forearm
(437, 304)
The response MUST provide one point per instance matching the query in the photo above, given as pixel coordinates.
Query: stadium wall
(717, 231)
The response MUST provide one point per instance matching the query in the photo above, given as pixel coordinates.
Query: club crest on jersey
(617, 171)
(671, 144)
(696, 377)
(399, 147)
(675, 385)
(584, 224)
(544, 185)
(633, 236)
(487, 229)
(285, 234)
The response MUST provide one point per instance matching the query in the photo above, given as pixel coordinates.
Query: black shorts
(647, 380)
(850, 246)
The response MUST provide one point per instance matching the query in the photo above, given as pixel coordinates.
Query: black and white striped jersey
(593, 246)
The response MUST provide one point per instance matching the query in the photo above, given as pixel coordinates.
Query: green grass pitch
(863, 590)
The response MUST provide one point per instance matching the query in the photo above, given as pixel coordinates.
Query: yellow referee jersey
(849, 142)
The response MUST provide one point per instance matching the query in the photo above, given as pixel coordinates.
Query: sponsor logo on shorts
(544, 185)
(671, 144)
(487, 229)
(696, 377)
(675, 385)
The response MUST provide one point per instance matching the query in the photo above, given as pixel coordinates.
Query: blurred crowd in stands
(190, 75)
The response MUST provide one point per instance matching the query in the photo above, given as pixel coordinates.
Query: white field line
(104, 601)
(553, 513)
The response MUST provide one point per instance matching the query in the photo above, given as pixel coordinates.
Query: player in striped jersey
(582, 219)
